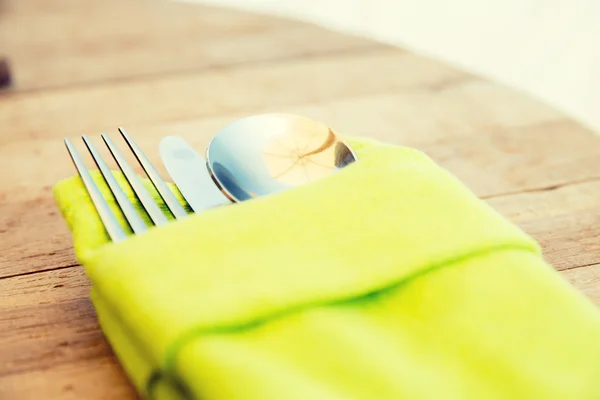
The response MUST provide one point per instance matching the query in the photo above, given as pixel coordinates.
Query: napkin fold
(387, 280)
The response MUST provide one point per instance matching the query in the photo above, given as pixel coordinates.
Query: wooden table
(163, 68)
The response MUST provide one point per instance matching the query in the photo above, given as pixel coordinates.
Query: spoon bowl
(268, 153)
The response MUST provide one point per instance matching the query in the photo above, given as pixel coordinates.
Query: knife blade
(189, 172)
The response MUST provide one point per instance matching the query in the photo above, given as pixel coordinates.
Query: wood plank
(587, 280)
(564, 220)
(26, 249)
(49, 335)
(64, 22)
(90, 379)
(47, 319)
(507, 160)
(35, 7)
(51, 340)
(72, 49)
(44, 289)
(69, 112)
(34, 182)
(383, 116)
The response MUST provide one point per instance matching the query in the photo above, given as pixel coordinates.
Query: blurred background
(549, 49)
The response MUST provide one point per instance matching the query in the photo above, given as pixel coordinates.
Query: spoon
(268, 153)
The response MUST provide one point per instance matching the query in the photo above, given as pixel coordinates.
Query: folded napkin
(387, 280)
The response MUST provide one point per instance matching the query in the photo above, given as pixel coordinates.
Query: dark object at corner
(5, 78)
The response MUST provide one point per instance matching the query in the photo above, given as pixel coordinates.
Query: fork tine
(176, 209)
(108, 218)
(131, 215)
(155, 213)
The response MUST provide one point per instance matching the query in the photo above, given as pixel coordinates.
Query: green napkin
(387, 280)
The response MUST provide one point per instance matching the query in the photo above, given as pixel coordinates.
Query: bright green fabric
(388, 280)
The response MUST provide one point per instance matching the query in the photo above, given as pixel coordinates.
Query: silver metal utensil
(269, 153)
(254, 156)
(190, 174)
(130, 213)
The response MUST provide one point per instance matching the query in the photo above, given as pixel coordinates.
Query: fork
(132, 216)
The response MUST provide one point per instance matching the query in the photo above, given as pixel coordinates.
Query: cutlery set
(252, 157)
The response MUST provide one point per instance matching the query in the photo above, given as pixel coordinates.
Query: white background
(549, 49)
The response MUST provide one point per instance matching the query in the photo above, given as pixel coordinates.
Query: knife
(189, 172)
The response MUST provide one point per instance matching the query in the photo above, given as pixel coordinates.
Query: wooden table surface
(164, 68)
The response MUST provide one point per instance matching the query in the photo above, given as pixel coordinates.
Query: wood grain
(96, 378)
(71, 111)
(587, 280)
(389, 120)
(161, 68)
(133, 39)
